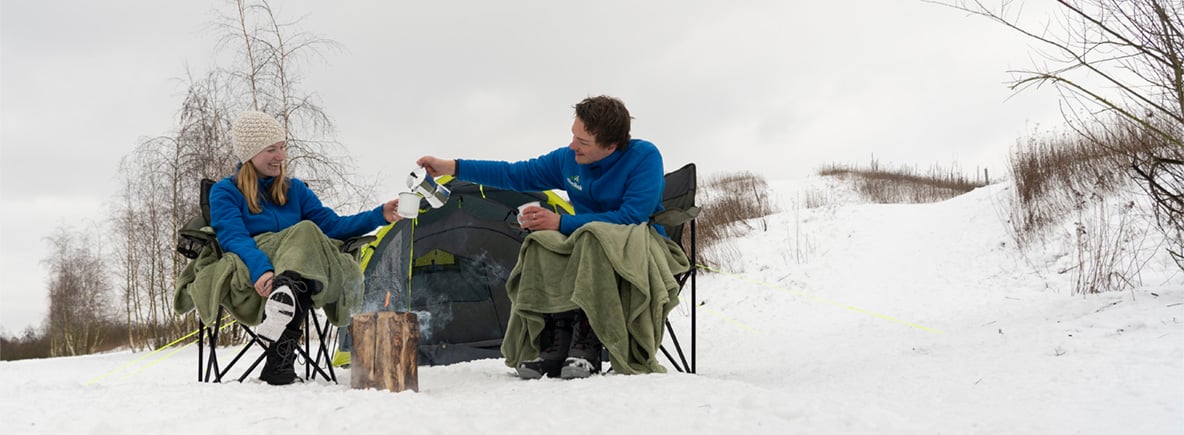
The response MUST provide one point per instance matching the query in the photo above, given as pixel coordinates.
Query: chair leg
(255, 340)
(201, 347)
(687, 366)
(210, 363)
(694, 304)
(321, 351)
(209, 369)
(670, 358)
(677, 348)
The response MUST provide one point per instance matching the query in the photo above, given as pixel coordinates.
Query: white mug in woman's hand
(408, 205)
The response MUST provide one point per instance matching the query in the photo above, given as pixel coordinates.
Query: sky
(851, 318)
(770, 87)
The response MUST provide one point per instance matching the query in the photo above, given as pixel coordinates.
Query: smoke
(453, 285)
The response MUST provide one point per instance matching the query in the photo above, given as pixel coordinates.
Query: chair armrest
(194, 236)
(353, 244)
(674, 218)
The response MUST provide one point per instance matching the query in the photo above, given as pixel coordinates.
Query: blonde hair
(247, 181)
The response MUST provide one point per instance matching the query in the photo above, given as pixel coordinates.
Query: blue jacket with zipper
(236, 226)
(623, 188)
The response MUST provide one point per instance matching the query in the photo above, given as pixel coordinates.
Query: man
(609, 177)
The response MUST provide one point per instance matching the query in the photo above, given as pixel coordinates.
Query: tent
(449, 266)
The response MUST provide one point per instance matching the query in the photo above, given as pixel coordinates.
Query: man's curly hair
(606, 118)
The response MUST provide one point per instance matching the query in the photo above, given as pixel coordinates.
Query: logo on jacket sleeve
(574, 182)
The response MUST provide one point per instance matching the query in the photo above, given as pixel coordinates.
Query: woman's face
(270, 161)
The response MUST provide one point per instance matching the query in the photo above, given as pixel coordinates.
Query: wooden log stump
(385, 345)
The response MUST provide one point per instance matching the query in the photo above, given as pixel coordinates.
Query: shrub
(1067, 182)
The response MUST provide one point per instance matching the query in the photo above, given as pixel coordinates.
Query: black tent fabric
(449, 266)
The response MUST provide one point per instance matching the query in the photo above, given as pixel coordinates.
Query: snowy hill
(849, 318)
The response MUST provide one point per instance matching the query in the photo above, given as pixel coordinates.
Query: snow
(845, 318)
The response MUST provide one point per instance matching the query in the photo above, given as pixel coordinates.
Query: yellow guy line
(154, 362)
(821, 299)
(174, 352)
(734, 322)
(160, 349)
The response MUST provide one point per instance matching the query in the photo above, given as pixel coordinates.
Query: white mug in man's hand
(522, 208)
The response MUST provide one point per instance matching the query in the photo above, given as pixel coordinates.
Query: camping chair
(317, 361)
(679, 212)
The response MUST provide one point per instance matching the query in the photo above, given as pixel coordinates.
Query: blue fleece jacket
(235, 225)
(623, 188)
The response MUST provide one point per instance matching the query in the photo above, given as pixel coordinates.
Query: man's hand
(537, 218)
(436, 166)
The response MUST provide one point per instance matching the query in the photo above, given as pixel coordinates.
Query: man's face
(585, 146)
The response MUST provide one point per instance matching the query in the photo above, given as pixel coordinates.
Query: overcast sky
(775, 87)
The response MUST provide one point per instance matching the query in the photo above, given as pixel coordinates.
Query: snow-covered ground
(849, 318)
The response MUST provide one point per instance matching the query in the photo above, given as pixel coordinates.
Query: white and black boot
(553, 342)
(583, 358)
(277, 313)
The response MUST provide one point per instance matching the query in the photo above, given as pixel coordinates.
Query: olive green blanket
(210, 281)
(622, 276)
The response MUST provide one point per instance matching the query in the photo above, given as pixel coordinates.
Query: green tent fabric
(449, 266)
(210, 281)
(622, 276)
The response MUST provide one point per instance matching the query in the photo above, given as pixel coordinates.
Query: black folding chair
(318, 361)
(680, 212)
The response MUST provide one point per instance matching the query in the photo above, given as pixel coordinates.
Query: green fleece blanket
(208, 281)
(622, 276)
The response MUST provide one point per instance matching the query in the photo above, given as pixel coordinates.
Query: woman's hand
(263, 284)
(390, 210)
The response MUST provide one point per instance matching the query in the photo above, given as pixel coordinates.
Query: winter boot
(583, 358)
(553, 342)
(277, 369)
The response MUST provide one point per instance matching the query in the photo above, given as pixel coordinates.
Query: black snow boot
(583, 358)
(277, 369)
(553, 343)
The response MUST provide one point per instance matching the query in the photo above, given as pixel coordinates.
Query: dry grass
(733, 205)
(1070, 179)
(1057, 174)
(904, 184)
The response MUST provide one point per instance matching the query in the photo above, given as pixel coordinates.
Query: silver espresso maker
(427, 187)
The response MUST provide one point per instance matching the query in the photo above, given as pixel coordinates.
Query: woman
(281, 232)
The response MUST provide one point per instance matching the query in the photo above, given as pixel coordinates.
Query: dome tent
(449, 266)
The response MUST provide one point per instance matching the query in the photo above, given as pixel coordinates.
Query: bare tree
(160, 193)
(144, 225)
(1117, 60)
(270, 53)
(78, 293)
(126, 231)
(1119, 56)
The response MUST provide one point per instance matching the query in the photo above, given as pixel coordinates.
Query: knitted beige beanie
(252, 132)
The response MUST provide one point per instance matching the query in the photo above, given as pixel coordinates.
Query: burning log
(384, 351)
